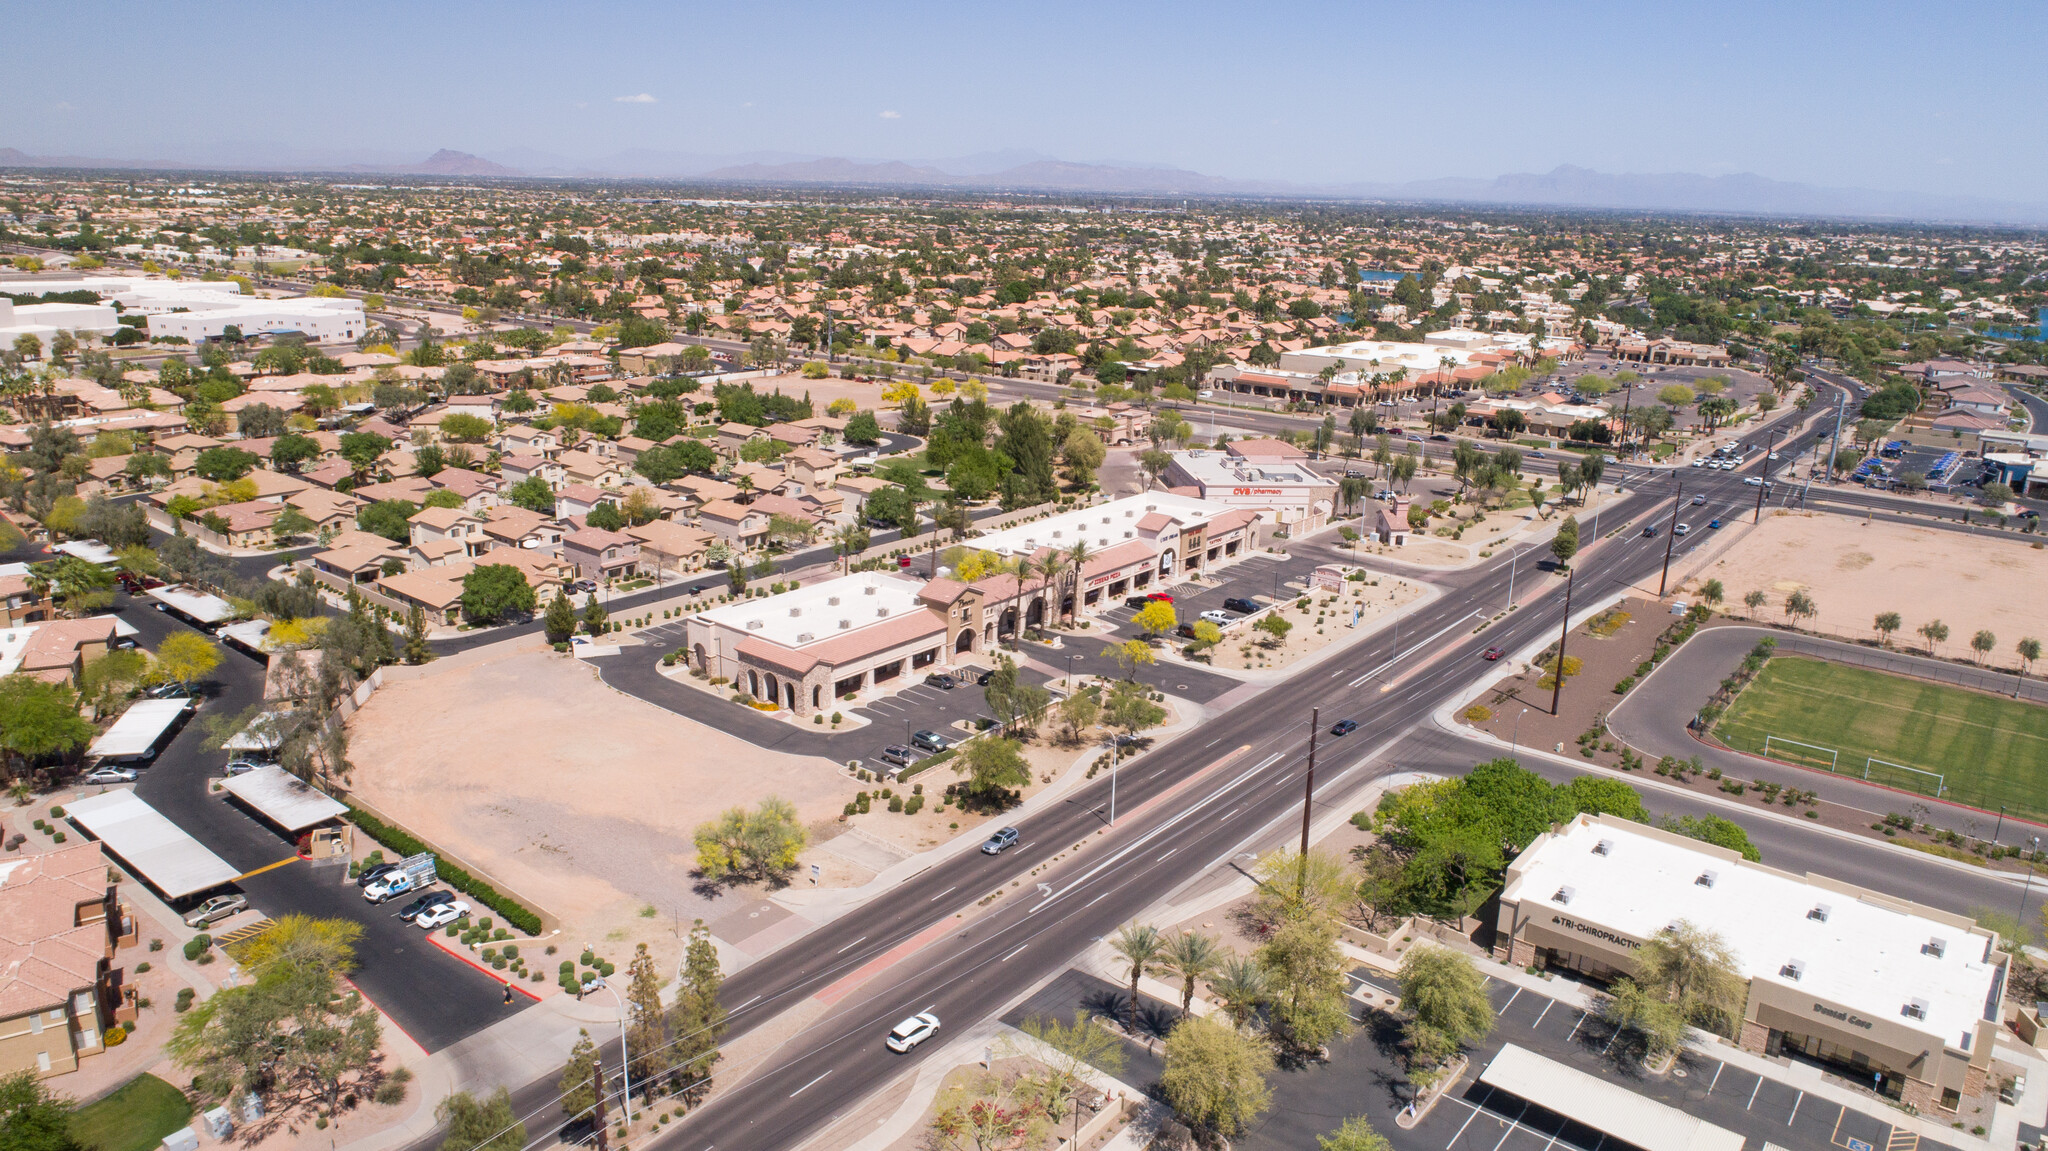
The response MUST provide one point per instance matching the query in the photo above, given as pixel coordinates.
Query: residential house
(62, 925)
(743, 526)
(511, 526)
(451, 525)
(597, 554)
(669, 546)
(515, 470)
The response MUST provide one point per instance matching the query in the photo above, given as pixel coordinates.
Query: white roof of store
(1858, 949)
(1216, 468)
(172, 861)
(1102, 526)
(197, 604)
(138, 729)
(1606, 1107)
(283, 798)
(822, 610)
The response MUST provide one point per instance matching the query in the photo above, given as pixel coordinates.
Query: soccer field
(1989, 750)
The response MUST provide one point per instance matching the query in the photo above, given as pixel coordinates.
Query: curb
(434, 937)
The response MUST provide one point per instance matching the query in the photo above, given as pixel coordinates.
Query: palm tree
(1192, 957)
(1077, 558)
(1141, 945)
(1026, 568)
(1241, 984)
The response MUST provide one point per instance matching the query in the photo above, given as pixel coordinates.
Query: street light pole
(1677, 502)
(625, 1061)
(1515, 740)
(2029, 886)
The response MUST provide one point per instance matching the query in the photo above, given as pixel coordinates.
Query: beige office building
(1905, 999)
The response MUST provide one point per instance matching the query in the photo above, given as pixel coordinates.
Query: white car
(388, 887)
(110, 775)
(441, 914)
(1752, 481)
(912, 1031)
(1204, 394)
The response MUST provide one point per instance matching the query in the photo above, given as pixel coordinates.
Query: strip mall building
(1901, 998)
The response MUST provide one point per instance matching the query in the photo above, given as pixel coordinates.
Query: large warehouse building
(1903, 998)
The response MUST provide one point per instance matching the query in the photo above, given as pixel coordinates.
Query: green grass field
(134, 1118)
(1990, 750)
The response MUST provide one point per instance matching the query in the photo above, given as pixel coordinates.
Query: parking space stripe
(1511, 1001)
(1512, 1125)
(1718, 1068)
(1468, 1118)
(1547, 1005)
(1752, 1093)
(1795, 1109)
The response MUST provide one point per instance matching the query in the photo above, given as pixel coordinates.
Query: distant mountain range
(1564, 187)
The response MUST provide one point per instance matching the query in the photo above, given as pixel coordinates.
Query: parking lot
(1761, 1108)
(1263, 579)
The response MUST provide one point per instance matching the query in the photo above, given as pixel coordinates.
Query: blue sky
(1921, 97)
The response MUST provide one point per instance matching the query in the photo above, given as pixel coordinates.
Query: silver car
(110, 775)
(215, 909)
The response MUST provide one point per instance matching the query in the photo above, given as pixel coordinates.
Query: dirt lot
(1853, 570)
(491, 755)
(1325, 621)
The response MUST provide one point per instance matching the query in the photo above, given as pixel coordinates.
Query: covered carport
(202, 609)
(1620, 1115)
(311, 817)
(140, 731)
(150, 846)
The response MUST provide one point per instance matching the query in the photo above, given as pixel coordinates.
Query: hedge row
(403, 844)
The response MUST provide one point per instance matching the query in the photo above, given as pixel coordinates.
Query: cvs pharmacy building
(1898, 997)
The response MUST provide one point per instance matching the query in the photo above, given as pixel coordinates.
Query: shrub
(896, 803)
(57, 813)
(57, 838)
(142, 968)
(183, 1002)
(196, 946)
(116, 1037)
(1478, 713)
(913, 805)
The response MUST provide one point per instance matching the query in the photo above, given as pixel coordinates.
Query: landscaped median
(402, 844)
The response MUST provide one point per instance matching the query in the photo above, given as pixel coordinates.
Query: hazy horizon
(1934, 102)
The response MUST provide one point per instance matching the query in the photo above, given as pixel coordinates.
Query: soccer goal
(1831, 754)
(1914, 782)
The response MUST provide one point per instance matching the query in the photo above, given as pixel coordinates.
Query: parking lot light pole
(1515, 741)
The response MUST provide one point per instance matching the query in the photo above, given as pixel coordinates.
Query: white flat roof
(814, 612)
(172, 861)
(197, 604)
(1212, 467)
(283, 798)
(138, 729)
(1860, 951)
(1606, 1107)
(1102, 526)
(91, 551)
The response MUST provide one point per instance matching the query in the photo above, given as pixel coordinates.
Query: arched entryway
(818, 696)
(1166, 559)
(774, 689)
(1034, 616)
(789, 695)
(703, 660)
(754, 685)
(1008, 624)
(966, 641)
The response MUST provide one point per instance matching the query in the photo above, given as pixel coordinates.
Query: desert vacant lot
(1855, 570)
(579, 797)
(1990, 750)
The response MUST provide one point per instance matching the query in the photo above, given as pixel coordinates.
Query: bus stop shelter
(1613, 1110)
(151, 846)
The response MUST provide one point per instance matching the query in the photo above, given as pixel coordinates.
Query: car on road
(1493, 653)
(1752, 481)
(1681, 529)
(899, 755)
(1537, 454)
(1344, 727)
(942, 682)
(911, 1032)
(110, 775)
(1714, 524)
(216, 909)
(441, 914)
(1772, 456)
(1000, 841)
(1205, 393)
(1649, 531)
(930, 741)
(1219, 618)
(1240, 604)
(1698, 500)
(425, 903)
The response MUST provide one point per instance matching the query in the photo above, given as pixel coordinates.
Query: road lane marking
(807, 1086)
(849, 946)
(1162, 858)
(264, 868)
(942, 895)
(1006, 958)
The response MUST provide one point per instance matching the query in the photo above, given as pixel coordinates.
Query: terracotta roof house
(669, 546)
(61, 927)
(597, 554)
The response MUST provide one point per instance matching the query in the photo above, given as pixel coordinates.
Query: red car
(1160, 597)
(1494, 653)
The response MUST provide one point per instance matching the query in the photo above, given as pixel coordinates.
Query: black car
(1137, 601)
(370, 875)
(982, 679)
(942, 682)
(430, 900)
(1240, 604)
(1347, 726)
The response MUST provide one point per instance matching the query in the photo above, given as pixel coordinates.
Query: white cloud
(892, 115)
(642, 98)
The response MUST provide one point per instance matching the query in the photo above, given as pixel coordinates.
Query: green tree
(761, 844)
(1356, 1135)
(1846, 460)
(362, 450)
(222, 464)
(1799, 605)
(697, 1015)
(1753, 600)
(1629, 1007)
(1193, 957)
(290, 452)
(1711, 592)
(1143, 947)
(1240, 984)
(578, 1085)
(596, 620)
(185, 656)
(391, 519)
(560, 622)
(646, 1021)
(1305, 971)
(493, 591)
(863, 429)
(1885, 623)
(32, 1117)
(1276, 629)
(1694, 970)
(1935, 633)
(487, 1124)
(1565, 544)
(1215, 1077)
(533, 494)
(992, 766)
(1130, 709)
(2028, 650)
(1982, 643)
(1445, 998)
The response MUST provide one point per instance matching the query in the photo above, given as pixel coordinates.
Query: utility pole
(1564, 633)
(1308, 794)
(1835, 444)
(1677, 502)
(598, 1122)
(1766, 478)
